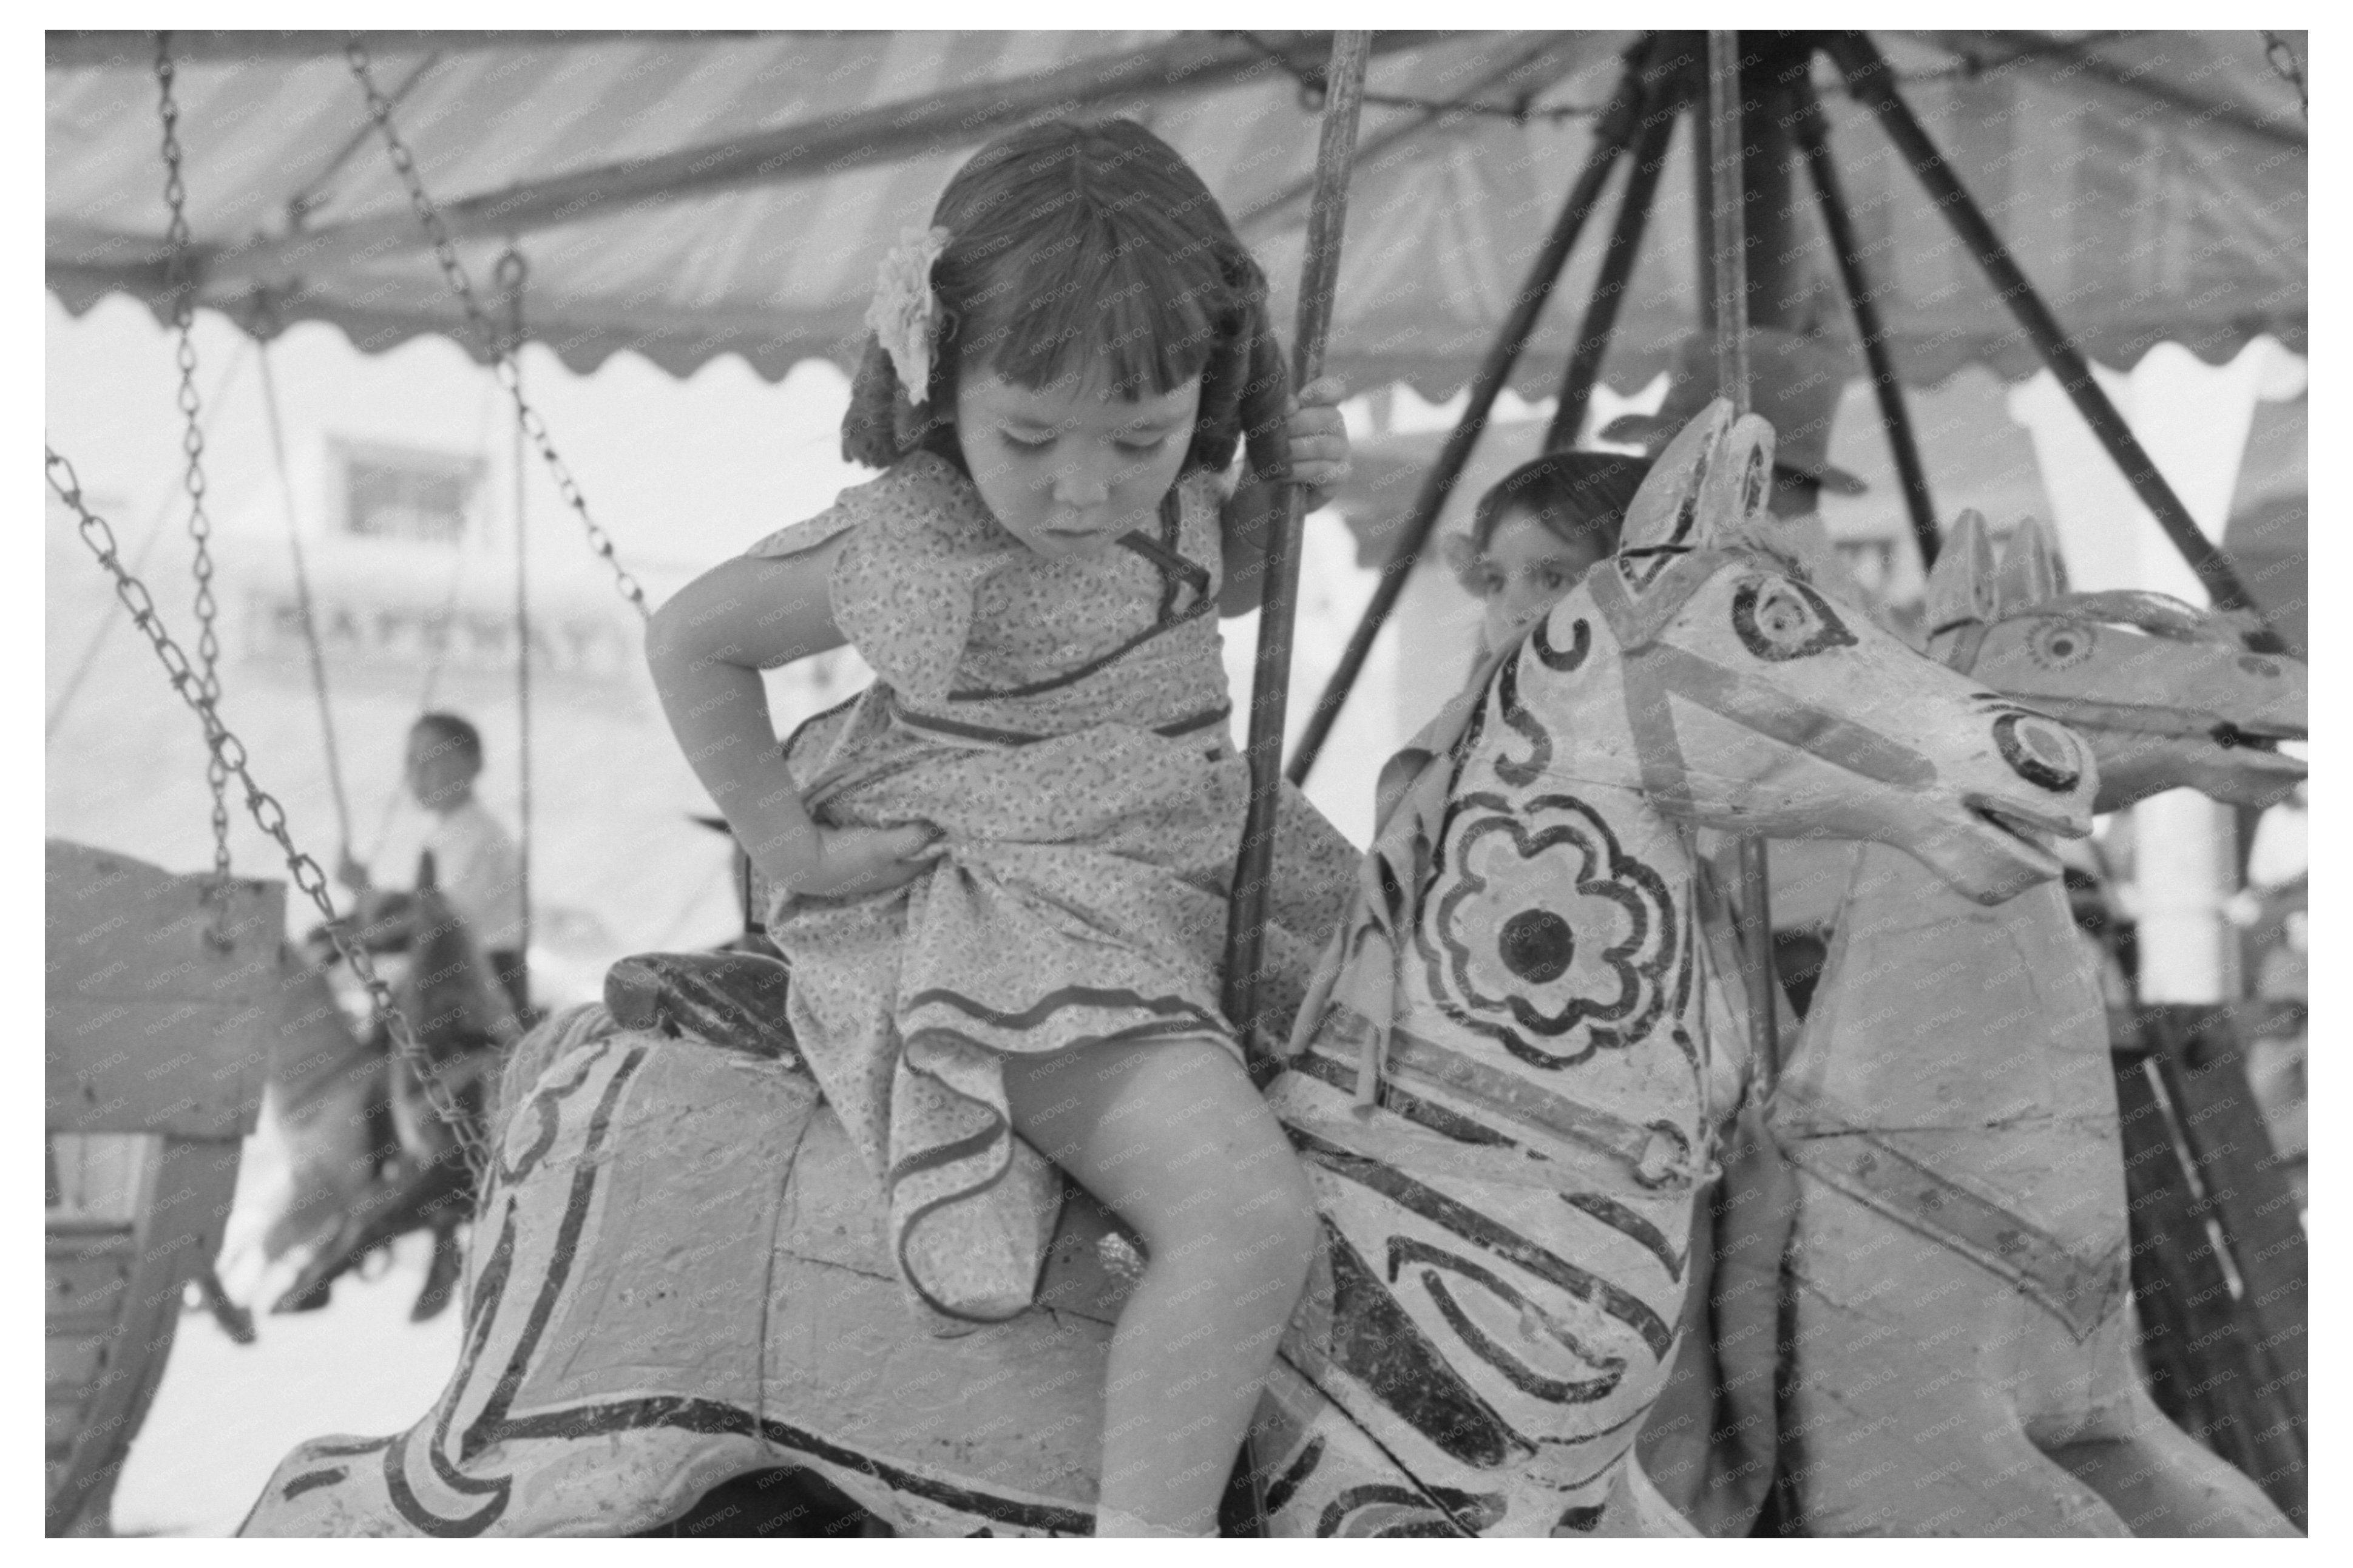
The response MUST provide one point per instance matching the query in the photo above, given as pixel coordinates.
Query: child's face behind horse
(1069, 468)
(1525, 570)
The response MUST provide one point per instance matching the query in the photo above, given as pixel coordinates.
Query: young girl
(1003, 870)
(1536, 534)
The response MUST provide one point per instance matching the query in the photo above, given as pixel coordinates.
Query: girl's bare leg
(1172, 1136)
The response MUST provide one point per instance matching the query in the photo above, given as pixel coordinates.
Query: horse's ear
(1738, 489)
(1961, 588)
(1665, 511)
(424, 882)
(2030, 571)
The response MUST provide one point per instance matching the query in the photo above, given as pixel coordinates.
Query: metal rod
(1271, 680)
(1643, 167)
(511, 272)
(1729, 274)
(1869, 80)
(1612, 134)
(305, 606)
(1893, 412)
(1728, 229)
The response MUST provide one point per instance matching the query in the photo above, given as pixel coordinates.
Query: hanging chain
(2290, 70)
(179, 281)
(503, 358)
(267, 813)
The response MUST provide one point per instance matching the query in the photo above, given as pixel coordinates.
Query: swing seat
(154, 1049)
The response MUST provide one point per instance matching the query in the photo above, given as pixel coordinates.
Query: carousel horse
(1962, 1359)
(1502, 1093)
(370, 1159)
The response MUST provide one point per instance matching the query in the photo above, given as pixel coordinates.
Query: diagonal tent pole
(1271, 680)
(1838, 218)
(1611, 135)
(1728, 278)
(1870, 81)
(1643, 167)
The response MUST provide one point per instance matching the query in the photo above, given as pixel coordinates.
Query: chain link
(267, 813)
(180, 280)
(502, 357)
(2276, 49)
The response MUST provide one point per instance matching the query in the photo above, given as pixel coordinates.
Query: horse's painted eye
(1781, 618)
(2254, 666)
(2055, 643)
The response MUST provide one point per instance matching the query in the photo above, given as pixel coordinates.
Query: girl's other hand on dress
(1319, 440)
(857, 862)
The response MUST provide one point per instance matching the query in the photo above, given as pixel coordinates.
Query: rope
(61, 709)
(179, 282)
(511, 272)
(305, 605)
(268, 814)
(502, 360)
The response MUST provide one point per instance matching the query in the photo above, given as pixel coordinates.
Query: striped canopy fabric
(692, 195)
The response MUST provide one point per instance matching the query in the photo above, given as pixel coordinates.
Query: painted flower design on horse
(1550, 939)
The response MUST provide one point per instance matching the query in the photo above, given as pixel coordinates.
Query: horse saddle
(735, 1001)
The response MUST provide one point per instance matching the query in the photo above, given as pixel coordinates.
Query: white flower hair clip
(905, 312)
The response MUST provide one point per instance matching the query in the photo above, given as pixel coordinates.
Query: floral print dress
(1063, 725)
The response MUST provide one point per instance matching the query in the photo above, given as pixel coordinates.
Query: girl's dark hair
(1581, 497)
(1087, 248)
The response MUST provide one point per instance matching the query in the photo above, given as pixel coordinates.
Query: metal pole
(1246, 928)
(1612, 134)
(1869, 81)
(1893, 412)
(1729, 274)
(512, 270)
(1593, 334)
(1344, 100)
(304, 603)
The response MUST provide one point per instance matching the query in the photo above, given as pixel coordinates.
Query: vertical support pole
(1728, 275)
(512, 269)
(1344, 86)
(1612, 134)
(1870, 81)
(1649, 156)
(1838, 218)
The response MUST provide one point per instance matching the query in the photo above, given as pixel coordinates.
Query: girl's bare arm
(706, 648)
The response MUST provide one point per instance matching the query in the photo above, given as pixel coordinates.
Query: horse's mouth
(2029, 828)
(2233, 737)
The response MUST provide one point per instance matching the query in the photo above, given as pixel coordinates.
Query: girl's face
(1068, 468)
(1525, 570)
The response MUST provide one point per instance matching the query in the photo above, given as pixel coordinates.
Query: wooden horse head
(2167, 696)
(1703, 669)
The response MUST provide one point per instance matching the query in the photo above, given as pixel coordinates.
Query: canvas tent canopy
(689, 197)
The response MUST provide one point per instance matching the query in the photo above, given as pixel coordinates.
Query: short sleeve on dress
(920, 541)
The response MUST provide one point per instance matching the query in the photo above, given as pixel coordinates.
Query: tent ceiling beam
(890, 132)
(71, 48)
(2077, 56)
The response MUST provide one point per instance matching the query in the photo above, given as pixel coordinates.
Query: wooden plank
(150, 1026)
(72, 1361)
(87, 1280)
(182, 1215)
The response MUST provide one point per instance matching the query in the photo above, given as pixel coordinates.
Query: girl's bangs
(1113, 310)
